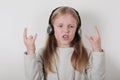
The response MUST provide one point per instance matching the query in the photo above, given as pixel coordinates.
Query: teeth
(65, 36)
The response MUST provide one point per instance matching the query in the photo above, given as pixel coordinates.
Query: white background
(15, 15)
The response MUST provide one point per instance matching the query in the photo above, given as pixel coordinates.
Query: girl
(64, 56)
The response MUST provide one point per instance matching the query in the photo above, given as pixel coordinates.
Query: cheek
(56, 33)
(72, 34)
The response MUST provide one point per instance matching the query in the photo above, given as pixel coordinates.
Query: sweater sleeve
(96, 68)
(33, 66)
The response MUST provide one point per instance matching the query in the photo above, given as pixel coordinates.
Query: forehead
(64, 18)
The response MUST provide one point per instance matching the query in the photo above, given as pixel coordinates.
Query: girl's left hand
(95, 41)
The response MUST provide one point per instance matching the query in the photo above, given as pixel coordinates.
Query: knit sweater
(63, 67)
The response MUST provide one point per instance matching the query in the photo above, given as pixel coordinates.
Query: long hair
(79, 58)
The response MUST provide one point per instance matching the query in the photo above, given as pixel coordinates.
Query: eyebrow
(68, 24)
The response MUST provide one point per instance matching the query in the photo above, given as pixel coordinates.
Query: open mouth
(65, 37)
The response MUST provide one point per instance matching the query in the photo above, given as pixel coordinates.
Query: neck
(63, 46)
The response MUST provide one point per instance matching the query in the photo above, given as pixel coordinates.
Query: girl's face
(64, 29)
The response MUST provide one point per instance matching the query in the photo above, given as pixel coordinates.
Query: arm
(96, 68)
(33, 63)
(33, 66)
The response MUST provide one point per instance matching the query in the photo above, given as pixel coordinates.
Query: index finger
(97, 32)
(25, 33)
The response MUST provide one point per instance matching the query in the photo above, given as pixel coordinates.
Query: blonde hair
(79, 58)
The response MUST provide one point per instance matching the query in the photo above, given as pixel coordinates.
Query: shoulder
(89, 51)
(39, 52)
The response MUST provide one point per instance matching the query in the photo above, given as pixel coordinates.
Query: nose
(66, 29)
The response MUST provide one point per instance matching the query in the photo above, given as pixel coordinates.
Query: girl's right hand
(29, 42)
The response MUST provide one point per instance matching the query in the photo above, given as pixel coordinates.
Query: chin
(66, 43)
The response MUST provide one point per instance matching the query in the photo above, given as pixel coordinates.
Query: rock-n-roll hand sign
(29, 42)
(95, 41)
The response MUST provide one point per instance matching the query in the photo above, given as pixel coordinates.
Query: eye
(71, 26)
(60, 26)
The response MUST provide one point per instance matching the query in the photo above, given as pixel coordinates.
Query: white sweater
(95, 71)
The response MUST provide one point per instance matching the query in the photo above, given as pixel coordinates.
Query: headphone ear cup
(50, 30)
(79, 31)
